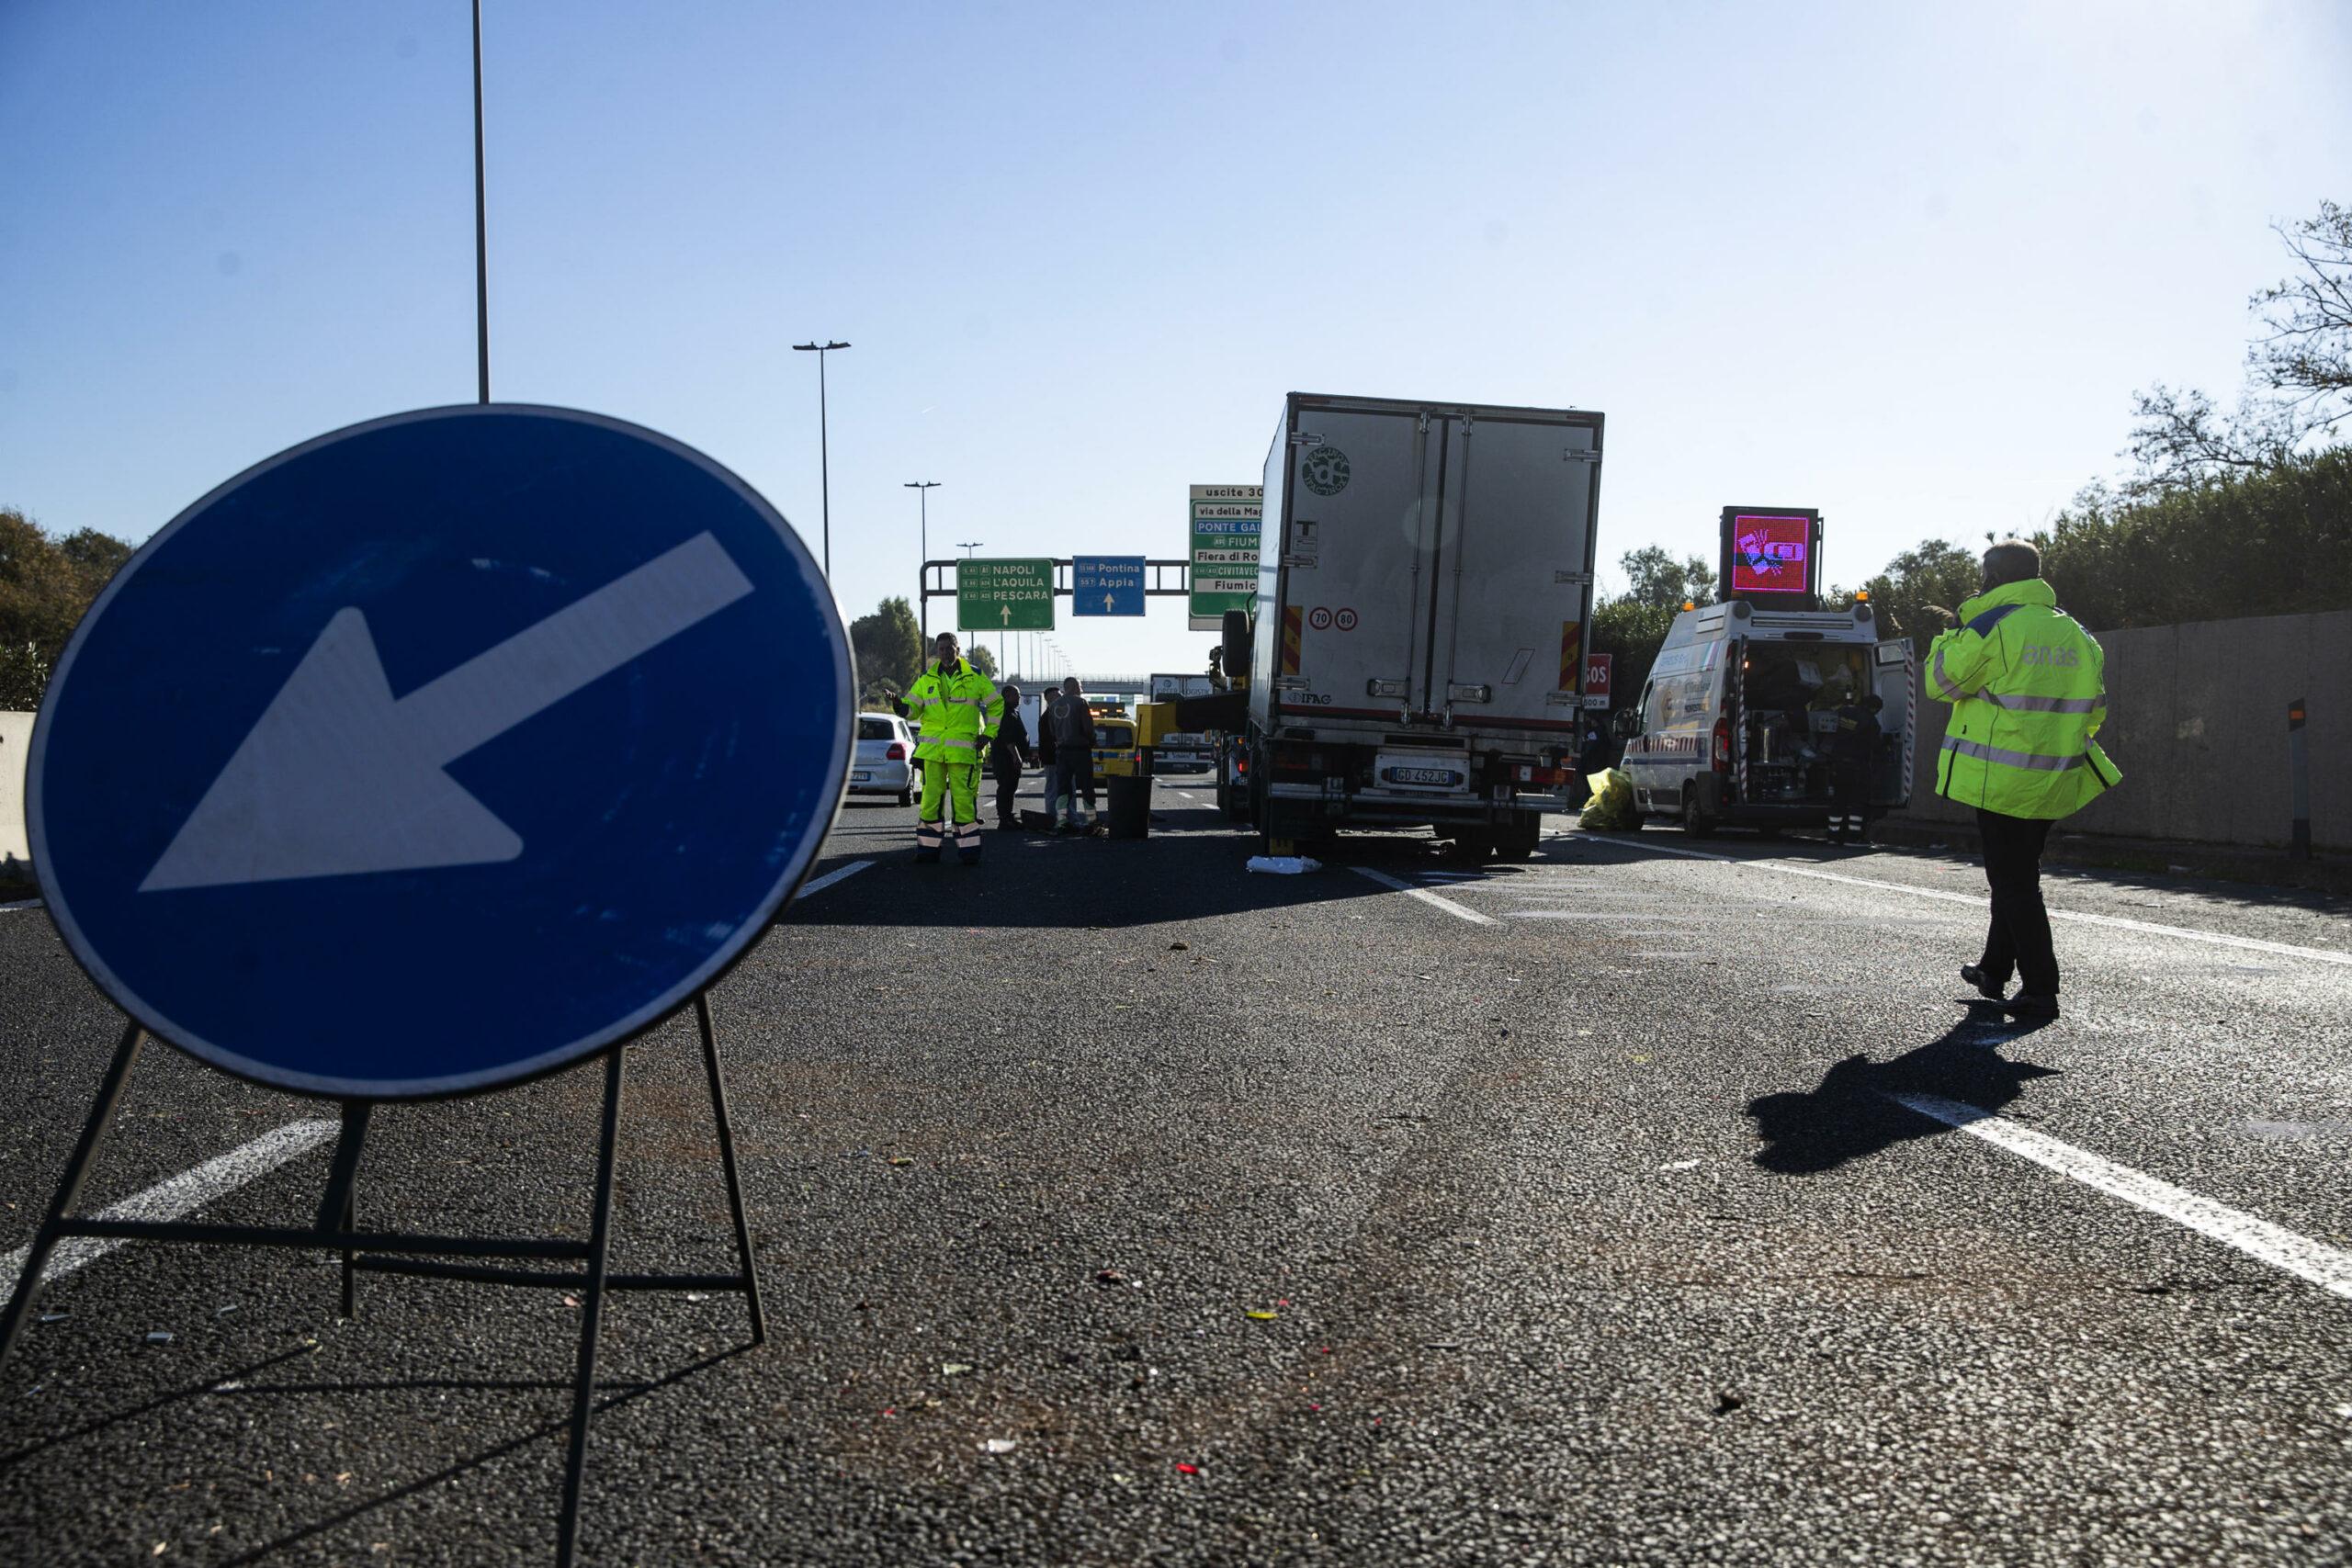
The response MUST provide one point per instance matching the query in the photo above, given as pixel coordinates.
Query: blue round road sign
(439, 751)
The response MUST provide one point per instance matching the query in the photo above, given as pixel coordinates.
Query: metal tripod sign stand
(428, 757)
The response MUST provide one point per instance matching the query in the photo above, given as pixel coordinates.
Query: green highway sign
(1224, 552)
(1004, 595)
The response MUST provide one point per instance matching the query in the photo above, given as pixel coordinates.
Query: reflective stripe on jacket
(957, 711)
(2028, 690)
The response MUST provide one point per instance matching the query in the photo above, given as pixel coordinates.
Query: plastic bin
(1129, 813)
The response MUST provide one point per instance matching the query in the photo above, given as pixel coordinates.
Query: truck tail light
(1722, 745)
(1530, 774)
(897, 753)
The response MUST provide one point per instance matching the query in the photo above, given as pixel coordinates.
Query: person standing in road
(1072, 724)
(1006, 755)
(1851, 755)
(958, 711)
(2029, 693)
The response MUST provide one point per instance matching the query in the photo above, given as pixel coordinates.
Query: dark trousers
(1849, 799)
(2018, 938)
(1007, 786)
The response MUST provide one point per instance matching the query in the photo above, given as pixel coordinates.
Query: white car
(884, 763)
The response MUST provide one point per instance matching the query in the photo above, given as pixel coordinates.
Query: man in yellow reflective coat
(957, 709)
(2028, 690)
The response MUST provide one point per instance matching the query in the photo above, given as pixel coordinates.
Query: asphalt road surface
(1652, 1201)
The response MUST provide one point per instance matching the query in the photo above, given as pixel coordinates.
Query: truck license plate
(1445, 776)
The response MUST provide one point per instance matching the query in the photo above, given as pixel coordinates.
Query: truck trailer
(1424, 583)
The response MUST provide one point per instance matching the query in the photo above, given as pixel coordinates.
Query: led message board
(1771, 555)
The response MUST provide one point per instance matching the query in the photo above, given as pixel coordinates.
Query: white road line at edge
(1426, 896)
(20, 904)
(180, 1195)
(820, 884)
(2298, 1255)
(2221, 939)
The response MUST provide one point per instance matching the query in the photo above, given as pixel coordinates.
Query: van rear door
(1897, 671)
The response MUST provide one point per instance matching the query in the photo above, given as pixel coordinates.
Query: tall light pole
(824, 457)
(968, 547)
(923, 488)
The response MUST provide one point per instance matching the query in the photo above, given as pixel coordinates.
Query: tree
(1658, 579)
(1936, 571)
(45, 586)
(982, 658)
(2299, 371)
(889, 644)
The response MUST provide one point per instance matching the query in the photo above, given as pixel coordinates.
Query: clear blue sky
(1904, 263)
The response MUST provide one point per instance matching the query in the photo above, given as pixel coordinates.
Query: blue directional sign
(440, 751)
(1107, 585)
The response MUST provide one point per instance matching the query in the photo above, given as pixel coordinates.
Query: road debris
(1001, 1445)
(1284, 865)
(160, 1336)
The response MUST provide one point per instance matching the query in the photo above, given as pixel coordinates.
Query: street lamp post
(968, 547)
(923, 488)
(824, 457)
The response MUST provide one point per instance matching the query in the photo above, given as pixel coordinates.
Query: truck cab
(1736, 722)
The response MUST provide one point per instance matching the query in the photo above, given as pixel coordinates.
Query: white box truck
(1424, 585)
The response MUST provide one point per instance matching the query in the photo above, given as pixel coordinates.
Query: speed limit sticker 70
(1318, 619)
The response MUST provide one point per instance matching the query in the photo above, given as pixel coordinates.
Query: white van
(1736, 721)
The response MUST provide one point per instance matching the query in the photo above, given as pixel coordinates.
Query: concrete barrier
(16, 742)
(2197, 719)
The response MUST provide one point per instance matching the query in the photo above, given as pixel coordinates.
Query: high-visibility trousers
(959, 782)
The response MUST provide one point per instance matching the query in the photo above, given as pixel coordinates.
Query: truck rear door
(1897, 671)
(1513, 564)
(1355, 549)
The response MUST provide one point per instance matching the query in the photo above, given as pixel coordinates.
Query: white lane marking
(1426, 896)
(169, 1200)
(2298, 1255)
(1583, 915)
(2220, 939)
(20, 904)
(820, 884)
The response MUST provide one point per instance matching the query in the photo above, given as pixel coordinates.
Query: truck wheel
(1697, 822)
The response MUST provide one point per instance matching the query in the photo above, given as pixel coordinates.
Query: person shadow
(1852, 1113)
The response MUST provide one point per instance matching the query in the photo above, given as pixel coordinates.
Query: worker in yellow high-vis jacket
(956, 710)
(2028, 690)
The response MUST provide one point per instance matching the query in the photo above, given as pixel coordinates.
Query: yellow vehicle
(1114, 747)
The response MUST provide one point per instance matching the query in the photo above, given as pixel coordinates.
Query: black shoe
(1992, 991)
(2031, 1004)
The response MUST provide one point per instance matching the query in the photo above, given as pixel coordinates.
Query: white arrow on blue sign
(440, 751)
(1107, 585)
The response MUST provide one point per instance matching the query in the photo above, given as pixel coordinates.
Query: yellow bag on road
(1610, 810)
